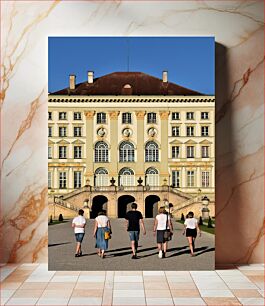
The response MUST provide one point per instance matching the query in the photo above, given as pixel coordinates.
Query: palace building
(129, 136)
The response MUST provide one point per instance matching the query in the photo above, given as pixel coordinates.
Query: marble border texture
(238, 27)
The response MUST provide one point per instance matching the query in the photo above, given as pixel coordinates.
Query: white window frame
(77, 179)
(49, 152)
(151, 118)
(101, 118)
(77, 116)
(175, 131)
(77, 152)
(62, 131)
(175, 151)
(62, 152)
(205, 151)
(126, 177)
(152, 177)
(205, 177)
(204, 115)
(62, 180)
(101, 177)
(190, 178)
(126, 118)
(62, 115)
(176, 178)
(49, 131)
(190, 115)
(190, 151)
(190, 131)
(77, 131)
(205, 130)
(151, 152)
(126, 152)
(101, 152)
(175, 116)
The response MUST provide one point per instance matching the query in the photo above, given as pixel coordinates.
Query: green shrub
(51, 219)
(200, 221)
(60, 218)
(210, 224)
(182, 217)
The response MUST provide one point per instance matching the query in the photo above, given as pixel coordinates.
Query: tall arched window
(151, 152)
(126, 152)
(126, 177)
(101, 177)
(101, 152)
(152, 177)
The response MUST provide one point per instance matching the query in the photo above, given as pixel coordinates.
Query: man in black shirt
(133, 220)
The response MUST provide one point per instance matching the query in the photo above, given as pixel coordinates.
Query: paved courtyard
(118, 257)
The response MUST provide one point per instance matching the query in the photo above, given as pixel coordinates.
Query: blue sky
(188, 60)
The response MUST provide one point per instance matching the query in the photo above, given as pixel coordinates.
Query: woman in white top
(102, 224)
(191, 227)
(162, 223)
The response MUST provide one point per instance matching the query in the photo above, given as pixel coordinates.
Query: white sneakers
(160, 254)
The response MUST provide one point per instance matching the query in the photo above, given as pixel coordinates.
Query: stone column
(70, 178)
(89, 174)
(55, 179)
(139, 166)
(164, 147)
(113, 158)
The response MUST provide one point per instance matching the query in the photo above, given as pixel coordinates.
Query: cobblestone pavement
(118, 257)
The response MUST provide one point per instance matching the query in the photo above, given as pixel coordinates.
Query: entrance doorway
(124, 205)
(99, 203)
(151, 206)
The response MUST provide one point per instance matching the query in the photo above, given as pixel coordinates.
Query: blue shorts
(134, 235)
(79, 237)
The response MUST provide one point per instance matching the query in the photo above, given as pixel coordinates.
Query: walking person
(164, 230)
(191, 228)
(79, 224)
(102, 231)
(133, 220)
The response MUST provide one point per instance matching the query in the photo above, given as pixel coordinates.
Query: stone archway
(124, 205)
(151, 206)
(99, 203)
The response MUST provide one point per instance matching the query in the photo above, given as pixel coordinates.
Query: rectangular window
(49, 131)
(175, 116)
(62, 180)
(49, 180)
(205, 179)
(204, 115)
(77, 179)
(62, 116)
(101, 118)
(49, 152)
(77, 131)
(77, 152)
(175, 178)
(77, 116)
(205, 151)
(175, 152)
(190, 179)
(49, 115)
(62, 151)
(151, 118)
(62, 131)
(205, 131)
(190, 115)
(190, 130)
(190, 151)
(175, 131)
(126, 118)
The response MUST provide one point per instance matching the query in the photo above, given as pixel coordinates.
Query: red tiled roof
(141, 84)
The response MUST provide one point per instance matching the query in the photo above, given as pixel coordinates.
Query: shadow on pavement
(205, 251)
(56, 244)
(187, 251)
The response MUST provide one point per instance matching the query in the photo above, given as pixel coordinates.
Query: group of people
(163, 230)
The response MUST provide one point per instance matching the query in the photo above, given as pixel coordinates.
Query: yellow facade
(173, 127)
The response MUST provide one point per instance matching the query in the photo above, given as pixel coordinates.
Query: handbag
(167, 233)
(107, 233)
